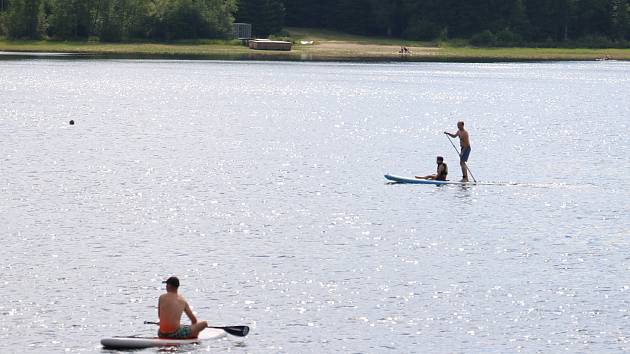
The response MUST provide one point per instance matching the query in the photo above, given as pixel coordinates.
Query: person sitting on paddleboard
(441, 173)
(464, 142)
(170, 308)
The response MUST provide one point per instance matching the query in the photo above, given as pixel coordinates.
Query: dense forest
(487, 22)
(117, 20)
(482, 22)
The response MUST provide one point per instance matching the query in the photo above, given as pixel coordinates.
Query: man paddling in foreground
(464, 142)
(170, 308)
(441, 173)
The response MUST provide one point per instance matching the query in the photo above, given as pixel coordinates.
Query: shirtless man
(441, 173)
(170, 308)
(464, 142)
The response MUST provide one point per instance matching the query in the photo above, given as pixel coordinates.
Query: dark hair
(172, 281)
(440, 158)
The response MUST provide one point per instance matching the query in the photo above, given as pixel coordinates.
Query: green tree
(219, 15)
(620, 19)
(117, 20)
(3, 28)
(109, 20)
(519, 23)
(310, 13)
(265, 16)
(354, 16)
(23, 19)
(423, 20)
(177, 19)
(387, 15)
(549, 19)
(71, 18)
(590, 17)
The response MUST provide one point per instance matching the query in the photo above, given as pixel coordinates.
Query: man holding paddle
(464, 142)
(170, 308)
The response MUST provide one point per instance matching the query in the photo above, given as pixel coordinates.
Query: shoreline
(321, 51)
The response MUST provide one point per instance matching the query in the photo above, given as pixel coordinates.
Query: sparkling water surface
(261, 186)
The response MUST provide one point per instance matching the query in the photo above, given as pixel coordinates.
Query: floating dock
(266, 44)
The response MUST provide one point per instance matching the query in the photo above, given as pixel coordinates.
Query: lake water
(260, 184)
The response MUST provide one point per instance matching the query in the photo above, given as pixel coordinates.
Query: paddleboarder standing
(171, 305)
(464, 142)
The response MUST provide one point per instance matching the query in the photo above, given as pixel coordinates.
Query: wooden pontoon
(266, 44)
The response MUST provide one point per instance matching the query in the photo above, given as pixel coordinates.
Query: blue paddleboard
(413, 180)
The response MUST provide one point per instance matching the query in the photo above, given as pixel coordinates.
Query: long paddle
(460, 155)
(239, 331)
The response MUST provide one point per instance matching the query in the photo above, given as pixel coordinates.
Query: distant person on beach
(407, 51)
(440, 174)
(404, 50)
(464, 142)
(170, 308)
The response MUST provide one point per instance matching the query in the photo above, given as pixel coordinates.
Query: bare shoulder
(182, 300)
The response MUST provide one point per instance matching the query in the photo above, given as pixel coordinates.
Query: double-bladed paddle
(239, 331)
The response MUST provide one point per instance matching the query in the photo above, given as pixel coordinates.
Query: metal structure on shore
(242, 31)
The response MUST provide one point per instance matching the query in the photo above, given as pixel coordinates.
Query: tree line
(117, 20)
(482, 22)
(509, 22)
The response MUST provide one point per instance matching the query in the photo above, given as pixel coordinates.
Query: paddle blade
(239, 331)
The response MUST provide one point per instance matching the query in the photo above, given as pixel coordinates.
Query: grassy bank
(165, 49)
(326, 46)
